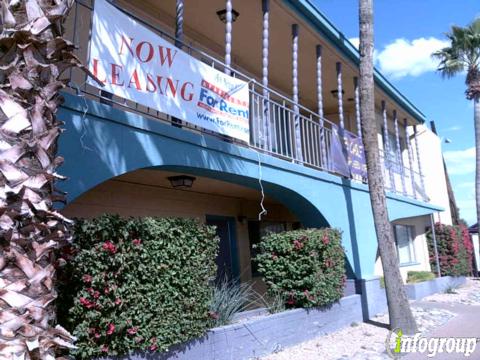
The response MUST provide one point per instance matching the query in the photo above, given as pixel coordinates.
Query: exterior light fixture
(335, 93)
(181, 181)
(222, 15)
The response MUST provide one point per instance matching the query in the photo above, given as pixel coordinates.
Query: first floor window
(404, 236)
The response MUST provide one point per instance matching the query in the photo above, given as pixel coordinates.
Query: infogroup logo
(397, 344)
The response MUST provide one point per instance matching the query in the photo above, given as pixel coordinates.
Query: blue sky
(406, 32)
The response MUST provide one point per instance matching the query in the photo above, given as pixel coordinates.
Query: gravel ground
(367, 341)
(468, 294)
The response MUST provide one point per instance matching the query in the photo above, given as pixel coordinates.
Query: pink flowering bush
(137, 284)
(305, 267)
(455, 249)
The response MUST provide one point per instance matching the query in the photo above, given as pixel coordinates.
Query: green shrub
(455, 249)
(419, 276)
(137, 284)
(304, 267)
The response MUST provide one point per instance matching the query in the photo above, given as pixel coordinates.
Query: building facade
(299, 164)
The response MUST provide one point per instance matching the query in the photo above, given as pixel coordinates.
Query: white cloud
(404, 57)
(453, 128)
(409, 58)
(460, 162)
(355, 42)
(466, 185)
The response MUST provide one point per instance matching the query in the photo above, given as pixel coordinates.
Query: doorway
(227, 259)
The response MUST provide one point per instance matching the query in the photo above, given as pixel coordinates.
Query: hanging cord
(85, 111)
(264, 211)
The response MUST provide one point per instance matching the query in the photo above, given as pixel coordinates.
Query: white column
(323, 150)
(340, 95)
(357, 107)
(410, 159)
(399, 152)
(228, 36)
(298, 132)
(386, 158)
(179, 24)
(265, 48)
(419, 162)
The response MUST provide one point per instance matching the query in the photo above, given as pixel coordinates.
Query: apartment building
(242, 114)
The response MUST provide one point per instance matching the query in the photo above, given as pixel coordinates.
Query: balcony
(279, 126)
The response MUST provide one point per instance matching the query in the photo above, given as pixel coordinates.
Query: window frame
(411, 244)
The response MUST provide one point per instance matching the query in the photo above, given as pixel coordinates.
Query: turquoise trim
(312, 15)
(101, 142)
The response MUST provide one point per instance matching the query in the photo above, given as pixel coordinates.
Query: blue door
(227, 259)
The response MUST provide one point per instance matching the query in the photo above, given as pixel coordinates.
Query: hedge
(136, 284)
(304, 267)
(455, 249)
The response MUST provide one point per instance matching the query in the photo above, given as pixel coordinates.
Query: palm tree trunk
(476, 116)
(398, 306)
(33, 56)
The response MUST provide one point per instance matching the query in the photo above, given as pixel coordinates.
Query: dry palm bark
(399, 310)
(33, 55)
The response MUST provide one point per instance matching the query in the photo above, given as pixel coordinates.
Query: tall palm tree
(398, 306)
(33, 56)
(462, 55)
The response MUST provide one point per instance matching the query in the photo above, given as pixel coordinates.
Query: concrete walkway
(465, 324)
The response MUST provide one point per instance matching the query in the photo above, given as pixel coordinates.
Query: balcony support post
(419, 162)
(179, 24)
(340, 95)
(323, 150)
(265, 49)
(399, 153)
(297, 132)
(410, 159)
(228, 36)
(386, 147)
(357, 107)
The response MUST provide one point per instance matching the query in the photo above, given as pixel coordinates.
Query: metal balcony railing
(278, 126)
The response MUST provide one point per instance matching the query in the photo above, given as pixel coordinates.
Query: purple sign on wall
(348, 156)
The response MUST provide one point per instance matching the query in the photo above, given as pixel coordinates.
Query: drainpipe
(435, 249)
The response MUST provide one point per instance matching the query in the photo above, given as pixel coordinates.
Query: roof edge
(307, 10)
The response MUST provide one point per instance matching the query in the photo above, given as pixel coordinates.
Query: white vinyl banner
(137, 64)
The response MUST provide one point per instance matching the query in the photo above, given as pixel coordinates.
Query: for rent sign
(137, 64)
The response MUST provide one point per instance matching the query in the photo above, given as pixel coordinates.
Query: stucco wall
(422, 262)
(101, 143)
(431, 159)
(127, 198)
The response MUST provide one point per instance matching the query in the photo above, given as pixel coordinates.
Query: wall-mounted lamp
(222, 15)
(335, 93)
(181, 181)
